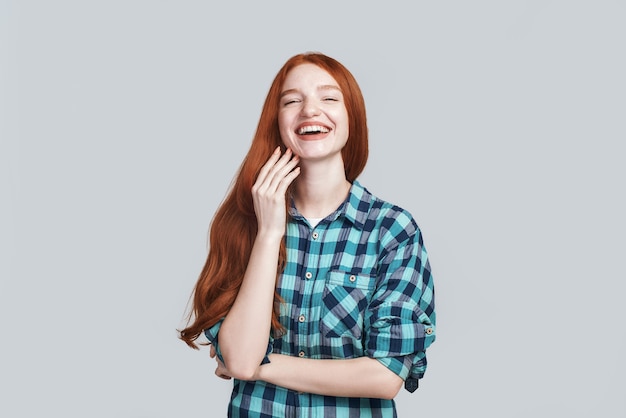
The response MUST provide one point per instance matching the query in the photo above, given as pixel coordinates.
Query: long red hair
(234, 225)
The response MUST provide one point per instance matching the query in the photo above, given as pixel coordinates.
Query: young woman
(316, 296)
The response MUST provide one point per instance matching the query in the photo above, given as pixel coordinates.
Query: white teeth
(313, 128)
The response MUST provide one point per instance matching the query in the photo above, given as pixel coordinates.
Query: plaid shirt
(358, 284)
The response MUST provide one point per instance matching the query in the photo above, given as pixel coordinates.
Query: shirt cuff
(409, 368)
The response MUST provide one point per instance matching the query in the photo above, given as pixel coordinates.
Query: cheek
(282, 127)
(345, 125)
(283, 122)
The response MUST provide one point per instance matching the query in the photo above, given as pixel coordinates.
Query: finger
(287, 180)
(212, 352)
(268, 166)
(270, 175)
(279, 174)
(281, 169)
(221, 375)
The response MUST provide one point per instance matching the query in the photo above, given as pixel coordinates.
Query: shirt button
(315, 235)
(352, 278)
(308, 275)
(429, 331)
(301, 318)
(301, 354)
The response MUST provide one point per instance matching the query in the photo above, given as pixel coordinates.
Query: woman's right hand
(268, 192)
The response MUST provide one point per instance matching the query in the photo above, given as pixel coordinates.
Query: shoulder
(393, 222)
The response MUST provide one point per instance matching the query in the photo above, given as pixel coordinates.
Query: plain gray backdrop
(498, 124)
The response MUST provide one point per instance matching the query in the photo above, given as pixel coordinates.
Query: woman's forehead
(309, 75)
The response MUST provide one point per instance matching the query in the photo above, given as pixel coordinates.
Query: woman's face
(312, 116)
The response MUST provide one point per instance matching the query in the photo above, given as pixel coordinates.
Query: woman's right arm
(244, 334)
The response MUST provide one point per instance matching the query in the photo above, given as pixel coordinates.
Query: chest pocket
(345, 298)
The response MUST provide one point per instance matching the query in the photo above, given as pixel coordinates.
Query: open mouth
(312, 130)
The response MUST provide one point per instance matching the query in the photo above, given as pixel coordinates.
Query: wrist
(269, 236)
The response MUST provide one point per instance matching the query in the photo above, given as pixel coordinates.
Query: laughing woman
(316, 296)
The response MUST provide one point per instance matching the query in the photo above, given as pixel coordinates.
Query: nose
(310, 108)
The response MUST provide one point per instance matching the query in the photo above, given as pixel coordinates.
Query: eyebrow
(322, 87)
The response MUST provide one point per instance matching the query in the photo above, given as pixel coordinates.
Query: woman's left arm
(361, 377)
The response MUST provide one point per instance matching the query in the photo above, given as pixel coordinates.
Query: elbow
(243, 373)
(241, 370)
(391, 388)
(241, 365)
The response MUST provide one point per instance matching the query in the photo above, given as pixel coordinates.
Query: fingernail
(277, 150)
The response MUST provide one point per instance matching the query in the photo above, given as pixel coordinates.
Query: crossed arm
(361, 377)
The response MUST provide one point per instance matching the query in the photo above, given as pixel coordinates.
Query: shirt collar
(355, 208)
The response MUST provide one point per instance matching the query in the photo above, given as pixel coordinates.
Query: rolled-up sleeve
(212, 335)
(400, 320)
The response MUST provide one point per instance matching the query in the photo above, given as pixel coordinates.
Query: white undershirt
(313, 221)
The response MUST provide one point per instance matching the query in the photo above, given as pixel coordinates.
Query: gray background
(499, 125)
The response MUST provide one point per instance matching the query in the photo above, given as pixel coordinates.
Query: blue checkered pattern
(358, 284)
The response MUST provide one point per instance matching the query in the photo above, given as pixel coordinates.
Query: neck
(320, 189)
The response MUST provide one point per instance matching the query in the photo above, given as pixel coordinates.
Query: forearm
(244, 334)
(361, 377)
